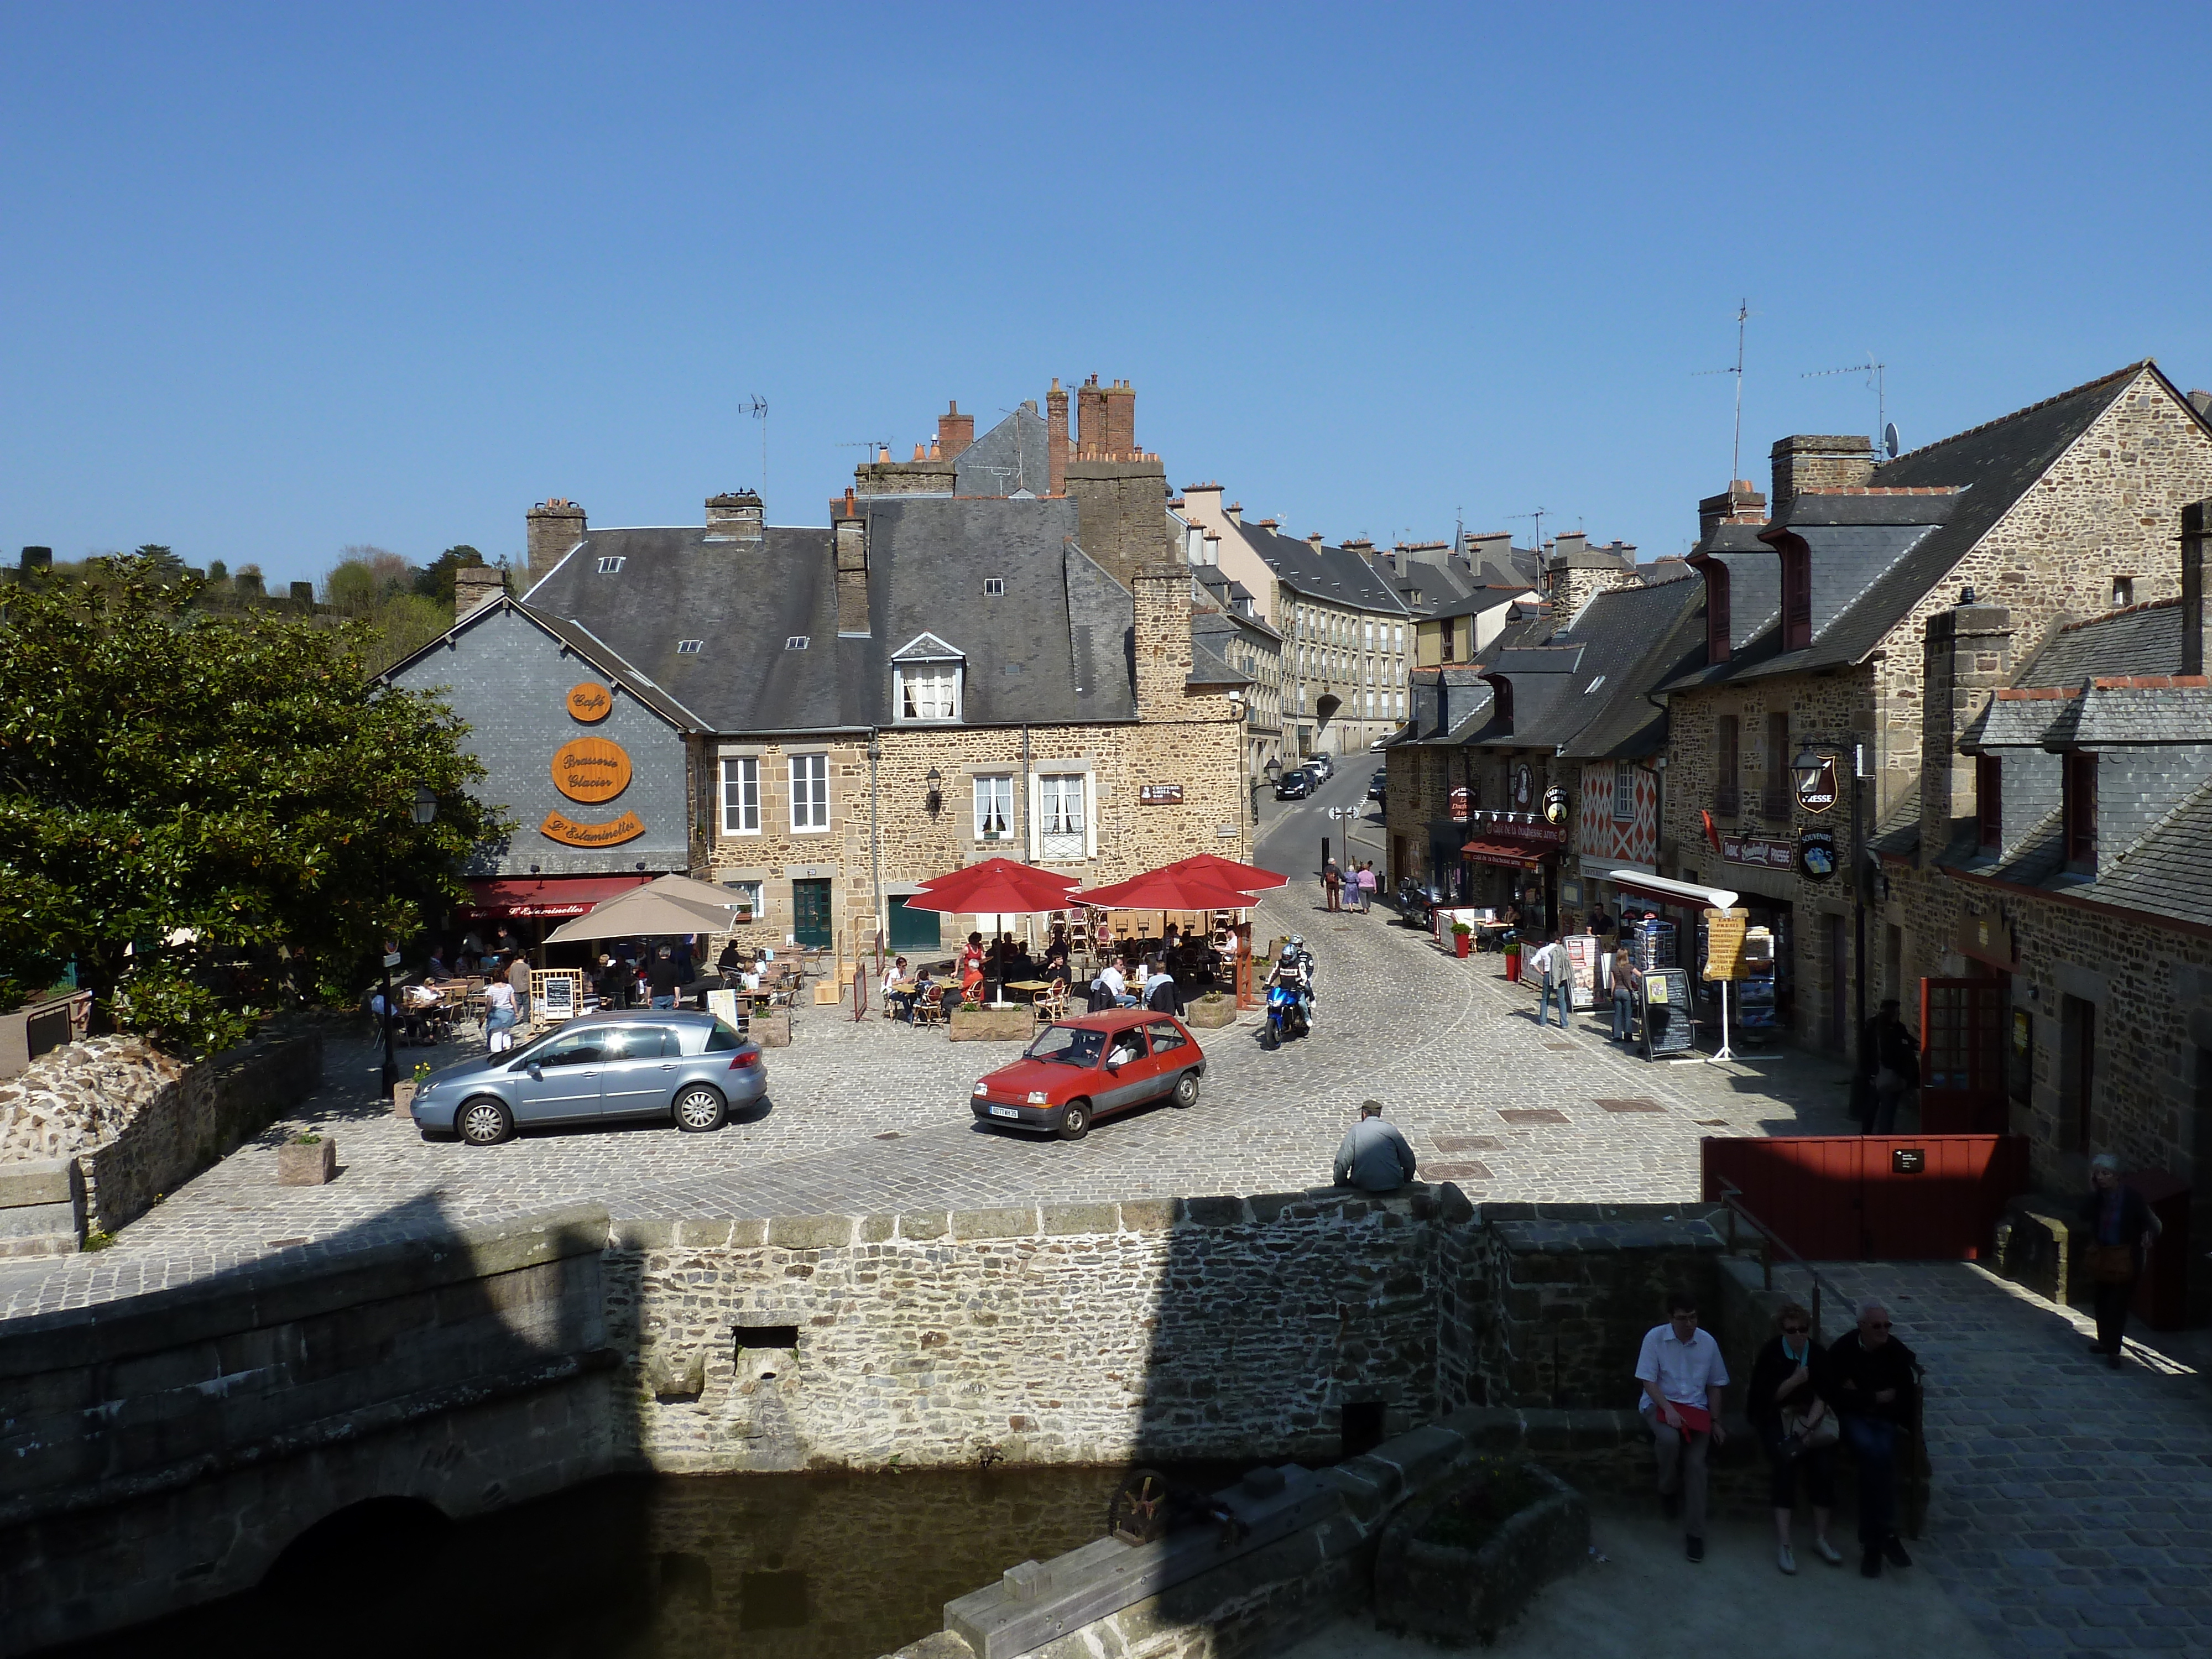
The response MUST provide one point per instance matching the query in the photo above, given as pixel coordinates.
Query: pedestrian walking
(1556, 978)
(2122, 1229)
(1624, 992)
(1683, 1376)
(1366, 886)
(499, 1016)
(664, 977)
(1797, 1430)
(1332, 886)
(1868, 1380)
(518, 975)
(1373, 1155)
(1889, 1056)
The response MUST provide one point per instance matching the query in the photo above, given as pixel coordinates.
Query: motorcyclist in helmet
(1295, 968)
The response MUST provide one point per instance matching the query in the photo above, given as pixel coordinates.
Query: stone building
(1816, 613)
(2047, 916)
(1225, 622)
(1346, 631)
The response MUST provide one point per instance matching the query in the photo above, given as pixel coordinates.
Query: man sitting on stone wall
(1373, 1155)
(1683, 1374)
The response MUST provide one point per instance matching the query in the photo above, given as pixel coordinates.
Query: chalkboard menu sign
(1665, 996)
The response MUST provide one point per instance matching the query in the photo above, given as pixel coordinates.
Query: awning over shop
(1513, 855)
(543, 896)
(1673, 892)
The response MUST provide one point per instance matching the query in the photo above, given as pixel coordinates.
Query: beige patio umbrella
(641, 913)
(689, 891)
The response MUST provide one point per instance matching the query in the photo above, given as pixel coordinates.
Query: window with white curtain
(740, 795)
(810, 791)
(994, 807)
(929, 691)
(749, 894)
(1063, 823)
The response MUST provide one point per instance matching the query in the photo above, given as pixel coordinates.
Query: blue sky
(282, 279)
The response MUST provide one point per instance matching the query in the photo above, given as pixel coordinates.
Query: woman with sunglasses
(1798, 1430)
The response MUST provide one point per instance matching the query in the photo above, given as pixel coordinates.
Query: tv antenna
(757, 408)
(1735, 452)
(1874, 370)
(1538, 515)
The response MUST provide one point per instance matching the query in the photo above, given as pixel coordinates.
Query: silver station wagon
(668, 1063)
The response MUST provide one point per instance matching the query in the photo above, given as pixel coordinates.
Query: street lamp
(935, 802)
(1807, 768)
(424, 810)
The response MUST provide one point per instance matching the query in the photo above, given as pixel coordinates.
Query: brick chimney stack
(552, 528)
(1968, 659)
(736, 516)
(1738, 504)
(1089, 420)
(1161, 640)
(1121, 405)
(476, 586)
(1819, 461)
(955, 432)
(1056, 435)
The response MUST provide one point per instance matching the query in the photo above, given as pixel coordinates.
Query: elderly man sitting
(1373, 1155)
(1871, 1380)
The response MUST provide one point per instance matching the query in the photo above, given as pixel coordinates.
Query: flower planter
(312, 1164)
(1209, 1013)
(403, 1099)
(991, 1026)
(1462, 944)
(1451, 1593)
(1513, 968)
(771, 1030)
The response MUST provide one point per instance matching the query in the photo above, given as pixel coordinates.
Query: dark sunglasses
(1795, 1330)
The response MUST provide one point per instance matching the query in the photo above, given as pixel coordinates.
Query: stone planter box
(1456, 1595)
(772, 1030)
(1208, 1013)
(991, 1025)
(403, 1099)
(311, 1165)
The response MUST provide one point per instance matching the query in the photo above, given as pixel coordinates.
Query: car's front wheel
(700, 1109)
(1185, 1090)
(483, 1122)
(1075, 1119)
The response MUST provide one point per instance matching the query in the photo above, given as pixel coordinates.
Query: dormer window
(1501, 695)
(927, 681)
(611, 563)
(1716, 573)
(2079, 811)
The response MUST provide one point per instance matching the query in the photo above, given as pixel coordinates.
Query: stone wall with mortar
(140, 1123)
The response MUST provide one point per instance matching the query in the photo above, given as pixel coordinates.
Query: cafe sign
(1159, 794)
(569, 833)
(1816, 786)
(1760, 851)
(591, 770)
(589, 702)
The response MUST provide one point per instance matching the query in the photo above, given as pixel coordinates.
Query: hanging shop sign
(589, 702)
(1159, 794)
(1986, 937)
(1555, 803)
(1817, 792)
(1816, 853)
(1460, 803)
(569, 833)
(591, 770)
(1524, 786)
(1760, 851)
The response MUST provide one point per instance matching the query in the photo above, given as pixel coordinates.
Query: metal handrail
(1732, 1197)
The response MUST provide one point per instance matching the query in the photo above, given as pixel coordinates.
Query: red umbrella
(995, 887)
(1170, 889)
(1248, 878)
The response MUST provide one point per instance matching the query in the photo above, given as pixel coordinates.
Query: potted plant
(1211, 1011)
(308, 1159)
(404, 1092)
(1463, 938)
(1512, 949)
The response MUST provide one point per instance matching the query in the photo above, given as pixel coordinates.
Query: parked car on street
(1320, 765)
(1376, 784)
(671, 1063)
(1294, 785)
(1090, 1066)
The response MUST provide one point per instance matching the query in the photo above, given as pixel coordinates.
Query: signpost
(1724, 959)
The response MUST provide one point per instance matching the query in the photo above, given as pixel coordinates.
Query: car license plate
(1004, 1111)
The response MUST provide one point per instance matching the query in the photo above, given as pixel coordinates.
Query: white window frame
(808, 772)
(1039, 819)
(756, 892)
(1624, 792)
(930, 668)
(994, 790)
(742, 771)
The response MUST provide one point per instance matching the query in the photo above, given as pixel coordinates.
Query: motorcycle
(1286, 1017)
(1416, 904)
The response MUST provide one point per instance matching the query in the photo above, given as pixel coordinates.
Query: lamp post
(1808, 766)
(425, 812)
(1274, 773)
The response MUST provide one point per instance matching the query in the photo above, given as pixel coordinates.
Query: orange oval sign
(589, 702)
(569, 833)
(591, 770)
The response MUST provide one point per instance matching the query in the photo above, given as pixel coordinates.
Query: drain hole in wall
(772, 1338)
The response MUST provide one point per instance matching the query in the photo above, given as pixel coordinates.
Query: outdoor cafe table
(1032, 988)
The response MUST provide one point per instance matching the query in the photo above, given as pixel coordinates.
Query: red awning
(1512, 854)
(543, 896)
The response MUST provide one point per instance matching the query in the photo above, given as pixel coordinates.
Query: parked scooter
(1417, 905)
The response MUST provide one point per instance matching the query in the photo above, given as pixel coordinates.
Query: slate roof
(1876, 556)
(1011, 457)
(1653, 632)
(1332, 575)
(2142, 638)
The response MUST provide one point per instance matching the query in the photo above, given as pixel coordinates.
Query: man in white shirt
(1555, 976)
(1110, 978)
(1681, 1369)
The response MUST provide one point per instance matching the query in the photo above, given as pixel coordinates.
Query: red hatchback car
(1091, 1066)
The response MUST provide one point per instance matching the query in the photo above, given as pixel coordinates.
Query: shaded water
(766, 1566)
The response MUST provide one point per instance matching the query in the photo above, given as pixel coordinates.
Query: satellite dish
(1889, 440)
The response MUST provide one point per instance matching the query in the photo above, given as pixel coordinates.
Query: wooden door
(1962, 1057)
(810, 910)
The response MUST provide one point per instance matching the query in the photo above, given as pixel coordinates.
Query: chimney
(1212, 545)
(1056, 435)
(735, 516)
(303, 595)
(1819, 461)
(1738, 504)
(2196, 529)
(476, 586)
(1162, 641)
(2202, 403)
(554, 528)
(851, 535)
(955, 431)
(1120, 404)
(1573, 543)
(1314, 541)
(1968, 658)
(1495, 549)
(1236, 510)
(1201, 501)
(1089, 420)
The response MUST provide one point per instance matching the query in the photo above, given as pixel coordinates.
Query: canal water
(766, 1566)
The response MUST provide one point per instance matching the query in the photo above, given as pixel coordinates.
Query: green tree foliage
(377, 586)
(436, 579)
(210, 813)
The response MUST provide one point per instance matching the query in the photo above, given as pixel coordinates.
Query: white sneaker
(1786, 1558)
(1827, 1551)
